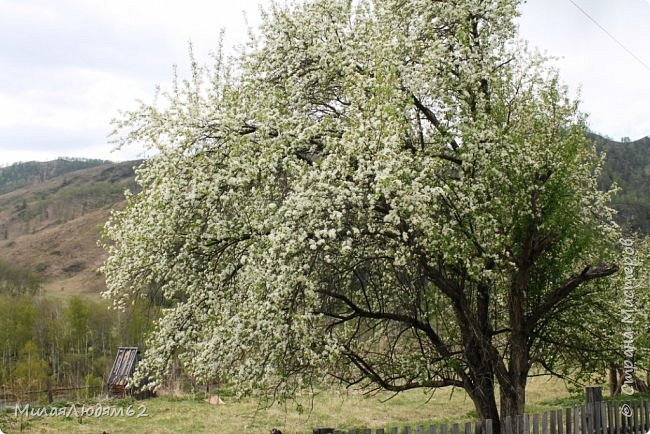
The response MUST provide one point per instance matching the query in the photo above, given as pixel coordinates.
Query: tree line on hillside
(62, 343)
(627, 164)
(15, 280)
(21, 174)
(31, 212)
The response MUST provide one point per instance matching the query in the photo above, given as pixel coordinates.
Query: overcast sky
(68, 66)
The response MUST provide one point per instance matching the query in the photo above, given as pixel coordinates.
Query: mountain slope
(628, 165)
(21, 175)
(53, 226)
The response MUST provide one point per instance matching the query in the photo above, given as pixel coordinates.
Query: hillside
(52, 225)
(628, 165)
(21, 175)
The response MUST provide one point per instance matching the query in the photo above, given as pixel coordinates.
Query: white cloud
(69, 66)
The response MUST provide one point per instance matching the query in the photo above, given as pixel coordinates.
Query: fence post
(594, 399)
(48, 386)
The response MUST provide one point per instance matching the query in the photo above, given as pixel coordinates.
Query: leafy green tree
(78, 317)
(393, 193)
(31, 370)
(15, 280)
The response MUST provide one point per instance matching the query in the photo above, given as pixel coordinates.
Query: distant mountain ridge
(19, 175)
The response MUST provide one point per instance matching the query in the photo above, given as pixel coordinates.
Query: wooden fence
(9, 398)
(482, 427)
(610, 417)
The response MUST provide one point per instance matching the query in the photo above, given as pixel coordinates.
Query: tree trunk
(613, 381)
(513, 398)
(479, 355)
(513, 384)
(483, 397)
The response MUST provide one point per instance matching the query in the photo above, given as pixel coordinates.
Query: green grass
(341, 409)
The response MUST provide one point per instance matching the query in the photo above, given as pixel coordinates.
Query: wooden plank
(380, 431)
(536, 423)
(601, 421)
(407, 430)
(508, 425)
(576, 420)
(455, 428)
(419, 429)
(591, 418)
(553, 423)
(367, 431)
(642, 420)
(488, 426)
(617, 418)
(607, 408)
(635, 410)
(443, 429)
(560, 425)
(583, 419)
(545, 423)
(352, 431)
(432, 429)
(468, 427)
(594, 394)
(641, 417)
(393, 430)
(567, 420)
(526, 425)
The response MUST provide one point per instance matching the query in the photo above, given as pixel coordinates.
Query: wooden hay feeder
(122, 370)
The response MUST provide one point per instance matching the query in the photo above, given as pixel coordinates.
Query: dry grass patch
(330, 408)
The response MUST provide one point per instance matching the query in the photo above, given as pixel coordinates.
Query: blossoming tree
(390, 192)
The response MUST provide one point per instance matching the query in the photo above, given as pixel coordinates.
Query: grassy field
(332, 408)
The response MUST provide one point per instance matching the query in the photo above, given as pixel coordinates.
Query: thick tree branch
(438, 343)
(559, 294)
(369, 372)
(431, 117)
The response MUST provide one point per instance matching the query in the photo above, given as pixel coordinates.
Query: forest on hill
(55, 331)
(21, 175)
(627, 164)
(52, 225)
